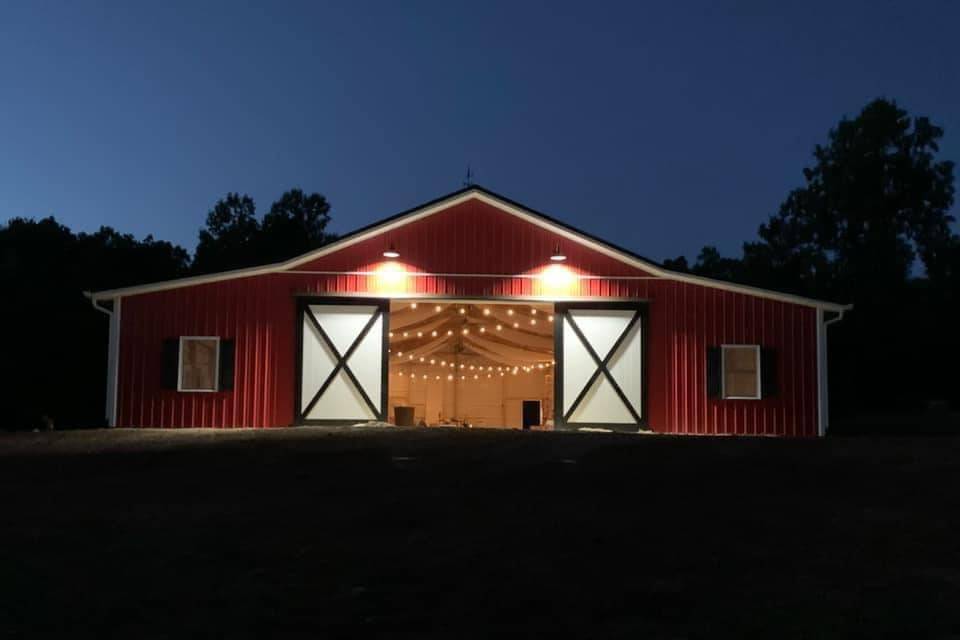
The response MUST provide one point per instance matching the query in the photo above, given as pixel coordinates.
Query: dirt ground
(451, 534)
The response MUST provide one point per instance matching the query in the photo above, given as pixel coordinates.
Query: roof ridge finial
(468, 181)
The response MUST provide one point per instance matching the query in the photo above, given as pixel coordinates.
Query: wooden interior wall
(486, 402)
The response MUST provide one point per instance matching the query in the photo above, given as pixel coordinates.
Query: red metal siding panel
(472, 238)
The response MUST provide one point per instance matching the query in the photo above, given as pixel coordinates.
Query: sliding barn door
(343, 361)
(600, 366)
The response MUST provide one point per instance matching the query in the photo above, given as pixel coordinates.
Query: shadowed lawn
(449, 534)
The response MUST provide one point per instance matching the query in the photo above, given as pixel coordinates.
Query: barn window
(741, 371)
(199, 364)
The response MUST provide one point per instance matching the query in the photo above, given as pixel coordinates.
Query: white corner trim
(429, 210)
(823, 372)
(113, 363)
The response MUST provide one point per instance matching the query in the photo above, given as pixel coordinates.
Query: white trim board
(486, 197)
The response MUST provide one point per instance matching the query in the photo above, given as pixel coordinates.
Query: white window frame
(216, 365)
(723, 372)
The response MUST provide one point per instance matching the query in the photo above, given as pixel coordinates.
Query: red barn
(469, 310)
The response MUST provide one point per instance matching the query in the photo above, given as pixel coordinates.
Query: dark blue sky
(660, 126)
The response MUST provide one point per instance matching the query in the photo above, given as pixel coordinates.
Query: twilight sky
(659, 126)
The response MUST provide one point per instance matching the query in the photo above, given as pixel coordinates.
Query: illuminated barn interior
(474, 363)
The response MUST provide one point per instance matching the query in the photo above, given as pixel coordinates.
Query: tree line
(54, 362)
(870, 225)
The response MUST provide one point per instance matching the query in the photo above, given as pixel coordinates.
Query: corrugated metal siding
(259, 313)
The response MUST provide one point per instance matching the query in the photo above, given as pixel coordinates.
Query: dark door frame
(383, 311)
(562, 316)
(523, 418)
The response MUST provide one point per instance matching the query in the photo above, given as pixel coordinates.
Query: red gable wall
(470, 238)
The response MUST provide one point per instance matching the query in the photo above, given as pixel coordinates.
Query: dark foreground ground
(453, 534)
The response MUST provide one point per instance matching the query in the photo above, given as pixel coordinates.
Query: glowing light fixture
(557, 254)
(391, 252)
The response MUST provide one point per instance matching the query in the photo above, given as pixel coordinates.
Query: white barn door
(343, 361)
(600, 366)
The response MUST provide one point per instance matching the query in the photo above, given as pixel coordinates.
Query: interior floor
(471, 364)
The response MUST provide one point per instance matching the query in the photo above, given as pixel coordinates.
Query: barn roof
(445, 202)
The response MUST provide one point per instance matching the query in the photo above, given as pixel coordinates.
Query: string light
(499, 327)
(432, 361)
(533, 321)
(486, 312)
(419, 334)
(550, 318)
(449, 332)
(516, 325)
(437, 308)
(509, 312)
(413, 305)
(399, 354)
(462, 311)
(483, 330)
(405, 334)
(433, 333)
(421, 358)
(466, 331)
(533, 312)
(391, 334)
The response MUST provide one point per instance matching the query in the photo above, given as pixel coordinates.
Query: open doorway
(471, 364)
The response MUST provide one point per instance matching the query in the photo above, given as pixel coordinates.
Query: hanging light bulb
(533, 321)
(516, 325)
(437, 308)
(509, 312)
(533, 312)
(413, 305)
(433, 333)
(486, 312)
(462, 311)
(419, 334)
(483, 329)
(399, 354)
(550, 318)
(557, 254)
(499, 327)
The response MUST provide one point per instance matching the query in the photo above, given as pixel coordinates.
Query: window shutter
(713, 372)
(226, 365)
(171, 363)
(768, 372)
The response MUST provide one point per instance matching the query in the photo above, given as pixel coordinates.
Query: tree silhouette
(875, 202)
(230, 237)
(295, 224)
